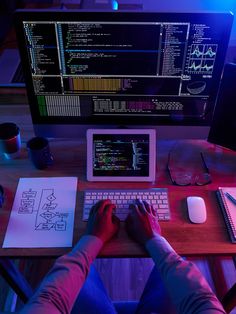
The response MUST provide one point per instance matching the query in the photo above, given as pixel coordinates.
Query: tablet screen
(121, 155)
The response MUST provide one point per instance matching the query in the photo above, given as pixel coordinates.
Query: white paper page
(42, 214)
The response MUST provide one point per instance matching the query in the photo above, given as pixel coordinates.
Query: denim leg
(155, 298)
(93, 298)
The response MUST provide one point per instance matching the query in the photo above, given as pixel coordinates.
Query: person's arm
(188, 289)
(60, 288)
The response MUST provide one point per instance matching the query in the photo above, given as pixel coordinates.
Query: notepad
(228, 209)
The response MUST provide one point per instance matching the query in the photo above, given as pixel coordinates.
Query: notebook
(228, 208)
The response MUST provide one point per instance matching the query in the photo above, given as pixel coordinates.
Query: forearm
(61, 286)
(187, 287)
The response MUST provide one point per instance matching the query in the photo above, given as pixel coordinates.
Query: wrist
(154, 236)
(88, 243)
(96, 235)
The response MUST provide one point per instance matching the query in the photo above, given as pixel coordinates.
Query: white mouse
(196, 209)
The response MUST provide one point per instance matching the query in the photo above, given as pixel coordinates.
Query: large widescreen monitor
(111, 69)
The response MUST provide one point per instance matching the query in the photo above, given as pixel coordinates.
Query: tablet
(121, 155)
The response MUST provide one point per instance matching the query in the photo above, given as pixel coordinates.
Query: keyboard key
(123, 198)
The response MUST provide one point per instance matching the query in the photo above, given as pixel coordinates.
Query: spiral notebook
(228, 207)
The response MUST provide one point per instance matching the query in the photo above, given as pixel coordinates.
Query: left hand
(102, 223)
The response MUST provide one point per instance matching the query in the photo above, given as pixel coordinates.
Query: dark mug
(39, 152)
(10, 141)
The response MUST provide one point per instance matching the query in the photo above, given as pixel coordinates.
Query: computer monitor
(110, 69)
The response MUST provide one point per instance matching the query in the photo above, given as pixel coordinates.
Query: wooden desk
(186, 238)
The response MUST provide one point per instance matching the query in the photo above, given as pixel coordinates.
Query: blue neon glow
(114, 5)
(226, 5)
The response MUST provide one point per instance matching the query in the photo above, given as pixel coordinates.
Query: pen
(230, 197)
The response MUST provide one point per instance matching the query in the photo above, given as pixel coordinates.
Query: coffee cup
(39, 152)
(10, 141)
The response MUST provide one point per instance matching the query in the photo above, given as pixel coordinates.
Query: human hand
(142, 223)
(102, 223)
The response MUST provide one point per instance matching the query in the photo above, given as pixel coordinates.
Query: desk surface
(186, 238)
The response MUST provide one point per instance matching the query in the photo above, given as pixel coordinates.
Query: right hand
(142, 222)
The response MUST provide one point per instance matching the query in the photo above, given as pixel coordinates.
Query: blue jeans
(93, 298)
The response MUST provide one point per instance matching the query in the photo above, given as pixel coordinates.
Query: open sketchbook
(228, 208)
(42, 214)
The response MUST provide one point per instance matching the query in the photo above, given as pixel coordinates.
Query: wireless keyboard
(158, 198)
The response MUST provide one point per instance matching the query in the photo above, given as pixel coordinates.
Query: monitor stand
(74, 131)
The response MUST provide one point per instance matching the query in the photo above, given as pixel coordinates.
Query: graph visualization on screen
(121, 68)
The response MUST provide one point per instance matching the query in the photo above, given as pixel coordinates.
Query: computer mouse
(196, 209)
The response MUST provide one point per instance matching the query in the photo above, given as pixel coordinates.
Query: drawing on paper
(48, 216)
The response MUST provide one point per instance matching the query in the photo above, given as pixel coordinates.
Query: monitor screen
(112, 155)
(97, 69)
